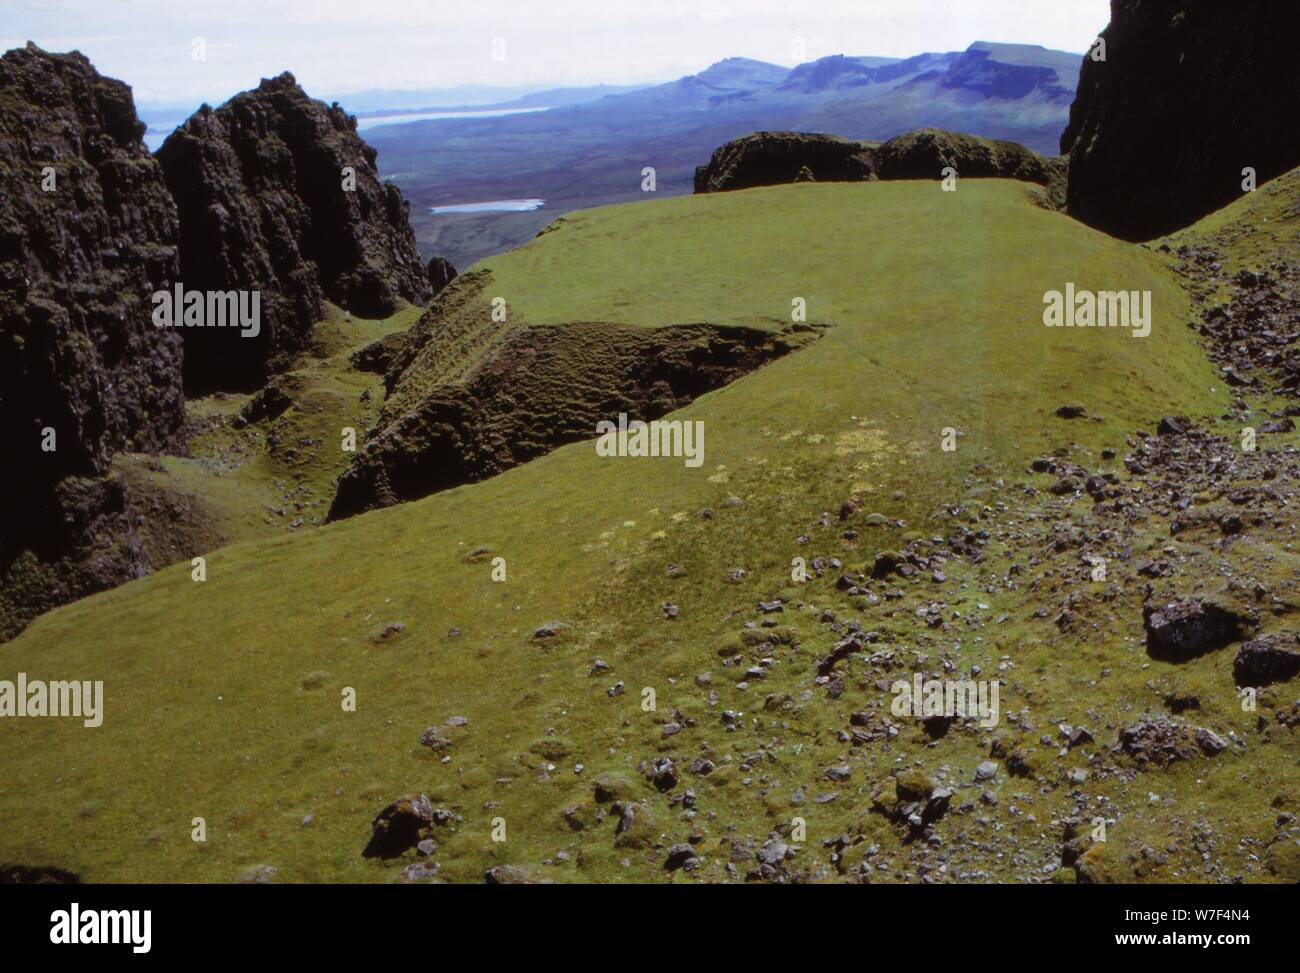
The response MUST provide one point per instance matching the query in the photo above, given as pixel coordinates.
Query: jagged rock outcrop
(1189, 95)
(469, 397)
(277, 193)
(88, 233)
(774, 158)
(926, 152)
(440, 273)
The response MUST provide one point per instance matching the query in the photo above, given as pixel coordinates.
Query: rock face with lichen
(1189, 95)
(88, 232)
(771, 158)
(277, 193)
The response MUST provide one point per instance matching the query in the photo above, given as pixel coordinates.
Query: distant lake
(495, 206)
(403, 118)
(158, 131)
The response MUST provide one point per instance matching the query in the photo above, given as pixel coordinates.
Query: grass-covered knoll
(223, 698)
(934, 298)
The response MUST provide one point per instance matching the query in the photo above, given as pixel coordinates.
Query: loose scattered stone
(436, 739)
(259, 875)
(387, 632)
(549, 630)
(680, 855)
(514, 875)
(419, 872)
(400, 826)
(1184, 629)
(1267, 660)
(663, 773)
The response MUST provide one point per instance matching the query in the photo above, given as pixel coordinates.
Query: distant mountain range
(585, 152)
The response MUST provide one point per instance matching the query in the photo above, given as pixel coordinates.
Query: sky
(341, 46)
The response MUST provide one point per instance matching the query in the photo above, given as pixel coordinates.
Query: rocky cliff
(87, 233)
(1189, 95)
(271, 192)
(277, 193)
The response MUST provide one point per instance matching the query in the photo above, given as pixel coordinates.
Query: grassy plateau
(223, 698)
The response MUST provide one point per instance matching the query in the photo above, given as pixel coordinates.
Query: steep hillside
(522, 703)
(264, 463)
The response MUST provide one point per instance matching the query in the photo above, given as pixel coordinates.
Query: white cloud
(348, 45)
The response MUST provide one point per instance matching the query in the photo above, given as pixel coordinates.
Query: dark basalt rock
(1189, 627)
(1188, 96)
(773, 158)
(269, 403)
(1267, 660)
(78, 351)
(378, 356)
(259, 185)
(37, 875)
(400, 826)
(925, 153)
(440, 273)
(77, 267)
(79, 539)
(1157, 742)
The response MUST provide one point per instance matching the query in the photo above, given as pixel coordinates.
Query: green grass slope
(223, 697)
(270, 476)
(1260, 227)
